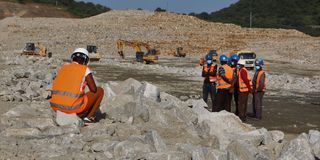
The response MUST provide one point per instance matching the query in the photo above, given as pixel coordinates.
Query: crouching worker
(69, 85)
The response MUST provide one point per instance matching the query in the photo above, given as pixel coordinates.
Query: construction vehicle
(150, 57)
(32, 49)
(180, 53)
(93, 53)
(248, 56)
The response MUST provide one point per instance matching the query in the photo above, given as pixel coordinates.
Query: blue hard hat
(235, 57)
(259, 62)
(223, 58)
(208, 57)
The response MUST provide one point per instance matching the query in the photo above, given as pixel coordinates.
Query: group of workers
(232, 79)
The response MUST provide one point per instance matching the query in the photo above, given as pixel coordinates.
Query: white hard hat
(81, 50)
(242, 62)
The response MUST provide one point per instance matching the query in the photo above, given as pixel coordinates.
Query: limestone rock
(240, 149)
(104, 146)
(67, 119)
(297, 149)
(22, 132)
(153, 138)
(127, 85)
(220, 124)
(202, 153)
(314, 140)
(124, 131)
(150, 91)
(168, 156)
(197, 103)
(277, 136)
(131, 150)
(40, 123)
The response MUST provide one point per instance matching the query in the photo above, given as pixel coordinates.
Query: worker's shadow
(99, 115)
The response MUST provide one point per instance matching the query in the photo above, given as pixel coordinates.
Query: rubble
(139, 127)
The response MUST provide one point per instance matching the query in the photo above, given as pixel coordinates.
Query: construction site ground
(291, 112)
(292, 100)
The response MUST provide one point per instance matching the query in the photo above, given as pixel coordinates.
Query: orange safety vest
(242, 86)
(260, 73)
(66, 94)
(206, 69)
(228, 74)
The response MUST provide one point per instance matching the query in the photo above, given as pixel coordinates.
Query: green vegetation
(79, 9)
(290, 14)
(160, 10)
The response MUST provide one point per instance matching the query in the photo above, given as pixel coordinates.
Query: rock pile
(27, 79)
(143, 123)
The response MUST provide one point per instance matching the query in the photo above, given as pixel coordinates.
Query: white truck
(249, 57)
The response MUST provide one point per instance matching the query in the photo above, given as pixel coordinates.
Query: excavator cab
(30, 47)
(180, 52)
(92, 49)
(93, 53)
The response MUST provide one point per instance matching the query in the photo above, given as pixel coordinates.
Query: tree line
(289, 14)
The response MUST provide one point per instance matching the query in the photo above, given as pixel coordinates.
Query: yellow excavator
(93, 53)
(39, 50)
(150, 57)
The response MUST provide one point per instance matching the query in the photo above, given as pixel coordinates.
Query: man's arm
(91, 84)
(214, 73)
(204, 72)
(244, 76)
(261, 83)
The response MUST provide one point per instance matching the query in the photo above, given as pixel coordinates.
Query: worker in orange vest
(224, 79)
(234, 86)
(244, 84)
(68, 89)
(209, 72)
(259, 87)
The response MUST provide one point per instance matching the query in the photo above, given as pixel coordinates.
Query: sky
(180, 6)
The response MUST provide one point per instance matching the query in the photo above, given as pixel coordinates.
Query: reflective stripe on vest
(228, 74)
(242, 86)
(69, 108)
(66, 94)
(211, 78)
(260, 73)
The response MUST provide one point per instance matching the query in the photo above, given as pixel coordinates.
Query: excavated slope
(165, 31)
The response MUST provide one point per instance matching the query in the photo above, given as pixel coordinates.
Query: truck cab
(249, 57)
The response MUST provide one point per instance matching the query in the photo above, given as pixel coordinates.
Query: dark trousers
(257, 104)
(236, 99)
(223, 100)
(242, 105)
(209, 88)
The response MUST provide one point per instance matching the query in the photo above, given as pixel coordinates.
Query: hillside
(290, 14)
(49, 8)
(164, 31)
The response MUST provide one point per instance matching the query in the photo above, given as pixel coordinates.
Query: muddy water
(291, 114)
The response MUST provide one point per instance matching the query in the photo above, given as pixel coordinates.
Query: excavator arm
(150, 57)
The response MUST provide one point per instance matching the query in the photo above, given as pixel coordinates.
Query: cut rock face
(297, 149)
